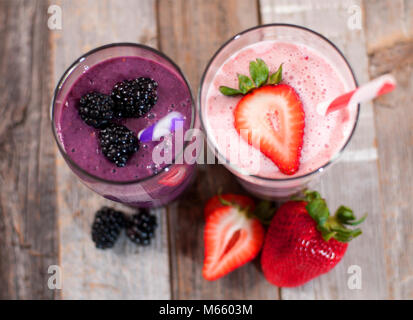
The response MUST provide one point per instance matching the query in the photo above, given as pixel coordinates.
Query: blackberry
(140, 228)
(96, 109)
(106, 227)
(118, 143)
(134, 98)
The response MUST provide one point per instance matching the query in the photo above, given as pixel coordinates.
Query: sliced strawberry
(271, 119)
(174, 177)
(231, 240)
(214, 203)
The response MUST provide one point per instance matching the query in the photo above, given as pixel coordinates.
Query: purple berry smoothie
(80, 140)
(141, 182)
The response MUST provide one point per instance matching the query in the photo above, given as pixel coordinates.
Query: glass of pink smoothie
(142, 182)
(317, 71)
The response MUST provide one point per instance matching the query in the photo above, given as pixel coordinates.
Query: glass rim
(237, 36)
(67, 73)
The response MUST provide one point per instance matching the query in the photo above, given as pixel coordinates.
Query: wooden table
(46, 213)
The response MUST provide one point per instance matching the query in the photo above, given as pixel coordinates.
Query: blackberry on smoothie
(102, 110)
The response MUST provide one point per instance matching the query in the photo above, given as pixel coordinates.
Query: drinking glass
(261, 186)
(155, 190)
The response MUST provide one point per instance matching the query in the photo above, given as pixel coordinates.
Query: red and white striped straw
(366, 92)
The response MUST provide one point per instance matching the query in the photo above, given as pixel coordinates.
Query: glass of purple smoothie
(142, 181)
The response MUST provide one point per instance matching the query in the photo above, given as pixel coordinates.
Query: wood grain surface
(394, 118)
(391, 51)
(28, 219)
(388, 22)
(46, 213)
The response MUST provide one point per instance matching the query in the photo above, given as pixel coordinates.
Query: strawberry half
(271, 119)
(216, 202)
(231, 240)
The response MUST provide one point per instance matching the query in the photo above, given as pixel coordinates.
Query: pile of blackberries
(108, 224)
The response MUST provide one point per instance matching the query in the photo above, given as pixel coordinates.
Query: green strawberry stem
(331, 226)
(260, 75)
(265, 211)
(227, 203)
(244, 210)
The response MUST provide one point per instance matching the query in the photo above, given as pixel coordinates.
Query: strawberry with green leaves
(270, 116)
(303, 241)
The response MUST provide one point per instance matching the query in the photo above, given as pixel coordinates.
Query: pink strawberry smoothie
(315, 80)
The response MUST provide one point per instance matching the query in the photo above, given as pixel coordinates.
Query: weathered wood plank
(191, 31)
(127, 271)
(388, 22)
(28, 238)
(394, 123)
(353, 181)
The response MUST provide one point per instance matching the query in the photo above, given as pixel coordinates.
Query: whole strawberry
(304, 241)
